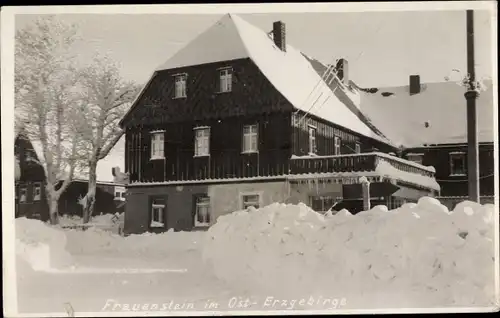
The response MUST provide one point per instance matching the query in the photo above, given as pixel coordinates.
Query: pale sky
(383, 48)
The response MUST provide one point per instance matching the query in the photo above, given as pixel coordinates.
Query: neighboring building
(30, 198)
(430, 120)
(239, 118)
(108, 198)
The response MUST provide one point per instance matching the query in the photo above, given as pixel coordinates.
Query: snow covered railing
(355, 163)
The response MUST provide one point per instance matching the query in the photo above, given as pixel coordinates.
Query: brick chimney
(414, 84)
(342, 69)
(279, 35)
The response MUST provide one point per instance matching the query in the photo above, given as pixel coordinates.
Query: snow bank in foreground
(109, 222)
(414, 256)
(40, 245)
(95, 241)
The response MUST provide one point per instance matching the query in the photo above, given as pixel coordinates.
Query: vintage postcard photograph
(235, 159)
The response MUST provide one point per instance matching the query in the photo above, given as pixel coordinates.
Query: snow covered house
(430, 121)
(30, 197)
(29, 191)
(240, 118)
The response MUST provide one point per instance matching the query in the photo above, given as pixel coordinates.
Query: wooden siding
(226, 159)
(325, 138)
(439, 158)
(251, 94)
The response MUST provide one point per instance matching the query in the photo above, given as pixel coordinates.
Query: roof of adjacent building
(436, 115)
(290, 72)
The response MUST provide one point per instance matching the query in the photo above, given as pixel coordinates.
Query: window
(29, 156)
(202, 142)
(226, 79)
(157, 143)
(202, 213)
(157, 213)
(415, 157)
(250, 137)
(322, 203)
(312, 140)
(180, 85)
(37, 192)
(337, 141)
(357, 148)
(249, 200)
(23, 194)
(458, 165)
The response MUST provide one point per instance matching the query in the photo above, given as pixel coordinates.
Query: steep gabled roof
(402, 117)
(290, 72)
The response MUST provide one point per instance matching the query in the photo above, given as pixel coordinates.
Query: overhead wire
(334, 77)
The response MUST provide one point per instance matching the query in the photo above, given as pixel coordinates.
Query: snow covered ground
(280, 257)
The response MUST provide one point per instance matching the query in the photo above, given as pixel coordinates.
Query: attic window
(180, 85)
(225, 79)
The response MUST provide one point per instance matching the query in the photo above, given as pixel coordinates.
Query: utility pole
(471, 96)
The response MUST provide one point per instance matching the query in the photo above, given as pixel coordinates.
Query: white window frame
(180, 85)
(21, 190)
(157, 145)
(337, 145)
(454, 155)
(202, 141)
(250, 139)
(157, 213)
(37, 186)
(198, 206)
(244, 204)
(312, 139)
(416, 157)
(357, 147)
(225, 80)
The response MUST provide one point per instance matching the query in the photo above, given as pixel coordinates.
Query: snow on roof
(290, 72)
(439, 106)
(220, 42)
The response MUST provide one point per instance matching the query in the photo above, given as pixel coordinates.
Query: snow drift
(419, 255)
(95, 241)
(40, 246)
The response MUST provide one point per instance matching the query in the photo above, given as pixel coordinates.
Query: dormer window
(157, 143)
(180, 85)
(225, 80)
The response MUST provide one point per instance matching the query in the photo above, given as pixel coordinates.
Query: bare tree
(45, 96)
(106, 99)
